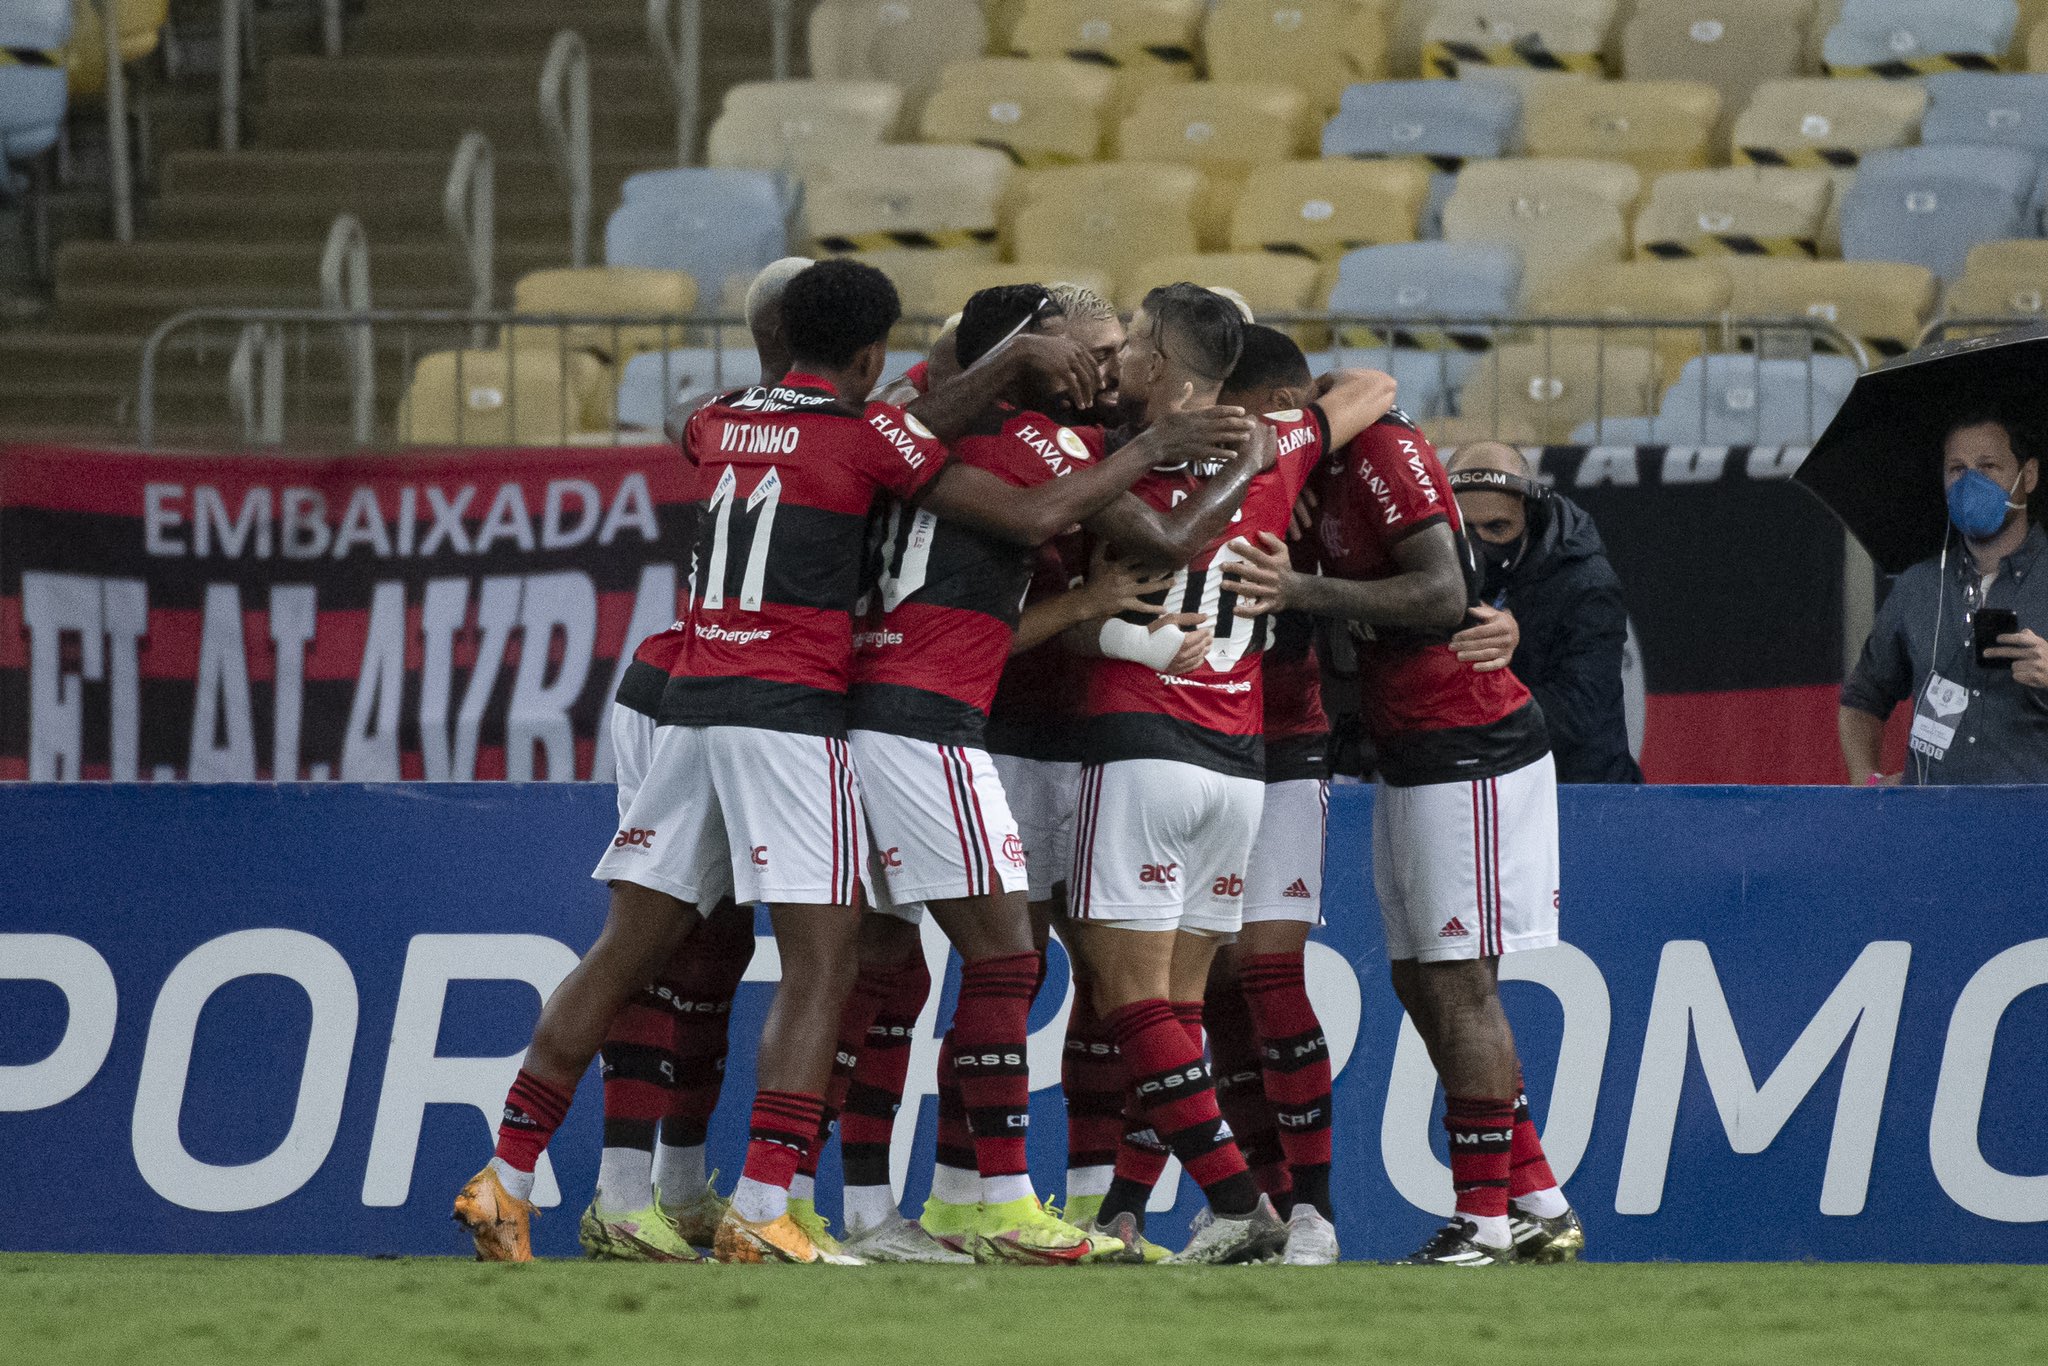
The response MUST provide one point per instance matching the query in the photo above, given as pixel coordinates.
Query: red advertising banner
(439, 615)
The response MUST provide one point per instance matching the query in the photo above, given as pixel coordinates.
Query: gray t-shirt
(1971, 724)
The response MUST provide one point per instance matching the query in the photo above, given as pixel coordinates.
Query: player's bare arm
(1059, 366)
(1034, 516)
(1170, 539)
(1353, 400)
(1489, 643)
(1427, 595)
(1111, 588)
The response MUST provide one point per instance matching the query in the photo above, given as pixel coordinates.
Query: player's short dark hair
(835, 308)
(1268, 359)
(1197, 328)
(993, 314)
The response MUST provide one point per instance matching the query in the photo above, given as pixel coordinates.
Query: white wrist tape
(1140, 644)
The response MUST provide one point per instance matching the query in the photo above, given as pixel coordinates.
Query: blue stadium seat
(654, 380)
(1624, 431)
(1743, 401)
(1930, 205)
(1890, 34)
(33, 91)
(1976, 108)
(1451, 280)
(1427, 379)
(1447, 122)
(720, 226)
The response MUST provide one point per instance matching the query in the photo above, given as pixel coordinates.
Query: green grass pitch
(280, 1311)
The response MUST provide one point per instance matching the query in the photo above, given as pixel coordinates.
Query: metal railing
(121, 169)
(330, 27)
(675, 30)
(565, 120)
(782, 15)
(600, 382)
(237, 50)
(345, 286)
(469, 206)
(1976, 324)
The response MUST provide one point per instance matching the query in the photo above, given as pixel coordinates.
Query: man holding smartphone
(1960, 634)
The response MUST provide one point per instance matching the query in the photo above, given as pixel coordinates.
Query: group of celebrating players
(1037, 651)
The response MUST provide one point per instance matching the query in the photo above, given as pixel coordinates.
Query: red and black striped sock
(874, 1092)
(1296, 1058)
(1528, 1169)
(1092, 1080)
(1141, 1155)
(700, 983)
(639, 1072)
(780, 1132)
(1482, 1130)
(1173, 1084)
(533, 1111)
(956, 1140)
(990, 1025)
(1241, 1089)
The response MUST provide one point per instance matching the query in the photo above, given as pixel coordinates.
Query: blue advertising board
(1787, 1023)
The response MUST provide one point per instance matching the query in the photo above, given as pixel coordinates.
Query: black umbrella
(1878, 465)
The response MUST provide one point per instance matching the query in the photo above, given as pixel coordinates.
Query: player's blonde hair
(1080, 302)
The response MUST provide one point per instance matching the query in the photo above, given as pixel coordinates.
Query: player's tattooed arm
(1428, 594)
(1027, 366)
(1170, 539)
(1353, 400)
(1035, 515)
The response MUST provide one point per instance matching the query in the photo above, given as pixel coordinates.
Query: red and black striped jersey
(1297, 729)
(1432, 717)
(1214, 715)
(1033, 714)
(930, 652)
(646, 677)
(784, 479)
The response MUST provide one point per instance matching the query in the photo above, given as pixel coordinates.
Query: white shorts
(759, 815)
(1163, 842)
(632, 751)
(941, 825)
(1043, 794)
(1284, 880)
(1468, 870)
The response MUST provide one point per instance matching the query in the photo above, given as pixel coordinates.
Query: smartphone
(1989, 624)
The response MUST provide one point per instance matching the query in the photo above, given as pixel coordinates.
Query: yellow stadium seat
(1655, 126)
(914, 197)
(1665, 291)
(1322, 209)
(906, 42)
(1269, 285)
(956, 281)
(1223, 127)
(2036, 53)
(141, 26)
(777, 125)
(664, 297)
(1542, 389)
(1733, 45)
(1036, 113)
(528, 397)
(1143, 42)
(1884, 304)
(1462, 36)
(1449, 433)
(1559, 232)
(2002, 280)
(1166, 188)
(1317, 46)
(917, 275)
(1112, 233)
(1740, 211)
(1613, 182)
(1002, 17)
(1827, 123)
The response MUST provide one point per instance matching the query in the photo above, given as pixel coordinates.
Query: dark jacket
(1568, 604)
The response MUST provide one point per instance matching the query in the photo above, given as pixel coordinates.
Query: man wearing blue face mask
(1980, 715)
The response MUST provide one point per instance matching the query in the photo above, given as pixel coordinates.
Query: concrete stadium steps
(514, 127)
(199, 215)
(463, 25)
(417, 177)
(355, 78)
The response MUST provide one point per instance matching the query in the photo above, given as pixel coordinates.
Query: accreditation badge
(1937, 714)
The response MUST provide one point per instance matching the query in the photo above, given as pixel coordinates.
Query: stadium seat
(1619, 431)
(1732, 45)
(1269, 284)
(2001, 280)
(1463, 37)
(1317, 46)
(907, 197)
(1653, 290)
(1114, 233)
(793, 125)
(1740, 211)
(917, 273)
(141, 24)
(1425, 380)
(33, 87)
(1655, 126)
(717, 226)
(2037, 48)
(664, 297)
(1166, 188)
(1971, 108)
(1558, 232)
(905, 42)
(1611, 182)
(1225, 128)
(1907, 38)
(1544, 388)
(1444, 122)
(1829, 124)
(1430, 283)
(1730, 400)
(655, 381)
(1930, 205)
(954, 282)
(1141, 42)
(1322, 209)
(1036, 113)
(1883, 304)
(534, 397)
